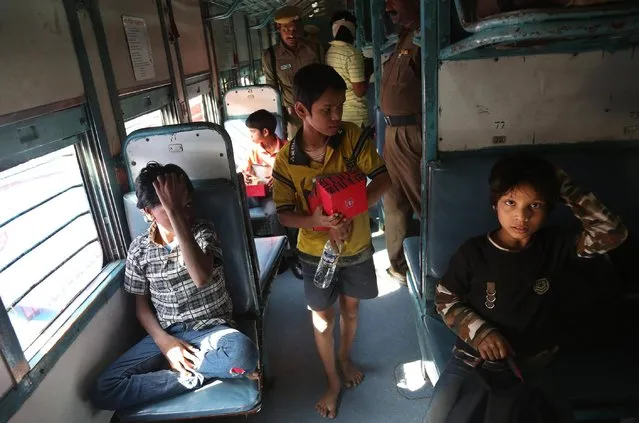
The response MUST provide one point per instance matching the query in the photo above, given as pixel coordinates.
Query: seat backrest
(219, 202)
(240, 102)
(202, 149)
(458, 200)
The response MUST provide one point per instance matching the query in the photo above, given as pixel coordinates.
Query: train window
(50, 252)
(147, 120)
(198, 110)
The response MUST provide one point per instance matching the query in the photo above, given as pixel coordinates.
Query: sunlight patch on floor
(385, 283)
(412, 379)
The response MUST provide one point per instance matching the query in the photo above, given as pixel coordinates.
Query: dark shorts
(356, 281)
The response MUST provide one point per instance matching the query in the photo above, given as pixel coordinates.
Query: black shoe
(296, 268)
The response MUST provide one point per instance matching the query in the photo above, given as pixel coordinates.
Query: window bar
(22, 213)
(106, 190)
(10, 347)
(45, 239)
(66, 305)
(35, 285)
(97, 207)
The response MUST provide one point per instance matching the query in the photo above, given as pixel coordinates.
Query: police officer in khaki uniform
(283, 60)
(401, 103)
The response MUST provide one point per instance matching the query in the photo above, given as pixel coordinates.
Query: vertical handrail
(429, 77)
(250, 49)
(235, 69)
(376, 30)
(360, 16)
(169, 59)
(210, 54)
(107, 68)
(178, 54)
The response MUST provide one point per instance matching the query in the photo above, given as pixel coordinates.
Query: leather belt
(404, 120)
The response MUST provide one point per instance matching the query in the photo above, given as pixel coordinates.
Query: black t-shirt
(516, 292)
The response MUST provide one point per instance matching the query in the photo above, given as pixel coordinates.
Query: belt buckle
(387, 120)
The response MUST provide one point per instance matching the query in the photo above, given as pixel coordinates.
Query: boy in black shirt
(497, 294)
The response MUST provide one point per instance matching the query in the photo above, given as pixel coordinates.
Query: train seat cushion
(218, 202)
(269, 250)
(217, 397)
(436, 340)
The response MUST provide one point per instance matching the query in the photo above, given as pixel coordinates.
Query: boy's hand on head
(171, 190)
(494, 347)
(321, 220)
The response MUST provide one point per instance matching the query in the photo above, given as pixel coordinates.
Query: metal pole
(430, 69)
(210, 53)
(176, 44)
(360, 37)
(175, 104)
(376, 30)
(109, 74)
(236, 61)
(250, 48)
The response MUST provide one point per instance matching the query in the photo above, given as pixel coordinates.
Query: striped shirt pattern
(349, 63)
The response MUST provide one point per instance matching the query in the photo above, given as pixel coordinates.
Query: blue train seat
(249, 264)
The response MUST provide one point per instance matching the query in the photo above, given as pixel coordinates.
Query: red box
(313, 202)
(259, 190)
(343, 193)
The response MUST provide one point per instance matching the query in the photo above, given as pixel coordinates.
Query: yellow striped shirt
(349, 63)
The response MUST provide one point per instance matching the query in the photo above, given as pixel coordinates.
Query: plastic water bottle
(326, 268)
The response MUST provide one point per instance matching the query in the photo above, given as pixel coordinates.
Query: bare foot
(327, 405)
(352, 375)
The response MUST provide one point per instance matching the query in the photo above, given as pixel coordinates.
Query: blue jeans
(446, 391)
(142, 374)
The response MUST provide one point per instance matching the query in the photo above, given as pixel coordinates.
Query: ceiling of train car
(258, 10)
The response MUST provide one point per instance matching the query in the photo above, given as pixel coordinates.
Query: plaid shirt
(151, 269)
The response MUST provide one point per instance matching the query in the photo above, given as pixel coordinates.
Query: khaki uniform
(287, 63)
(401, 103)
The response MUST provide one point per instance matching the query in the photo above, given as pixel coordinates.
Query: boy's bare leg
(349, 309)
(323, 324)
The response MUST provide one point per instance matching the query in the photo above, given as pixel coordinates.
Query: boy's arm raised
(602, 230)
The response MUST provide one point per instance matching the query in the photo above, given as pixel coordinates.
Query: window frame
(201, 85)
(26, 140)
(148, 101)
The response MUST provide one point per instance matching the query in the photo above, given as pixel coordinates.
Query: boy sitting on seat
(174, 269)
(326, 145)
(504, 292)
(266, 145)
